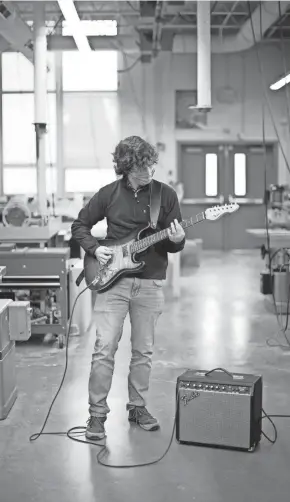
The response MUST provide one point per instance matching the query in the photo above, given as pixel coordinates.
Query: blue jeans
(144, 300)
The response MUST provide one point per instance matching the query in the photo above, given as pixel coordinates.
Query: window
(91, 129)
(93, 71)
(19, 132)
(240, 174)
(23, 180)
(18, 72)
(87, 180)
(211, 175)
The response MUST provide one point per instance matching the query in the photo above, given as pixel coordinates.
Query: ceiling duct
(244, 40)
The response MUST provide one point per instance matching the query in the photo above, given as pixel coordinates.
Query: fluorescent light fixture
(71, 16)
(280, 83)
(93, 28)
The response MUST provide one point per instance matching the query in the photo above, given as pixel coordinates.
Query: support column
(203, 55)
(40, 98)
(59, 125)
(1, 131)
(148, 76)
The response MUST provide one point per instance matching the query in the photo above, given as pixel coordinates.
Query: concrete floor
(221, 320)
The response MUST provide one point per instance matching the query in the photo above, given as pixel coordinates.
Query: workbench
(279, 237)
(31, 235)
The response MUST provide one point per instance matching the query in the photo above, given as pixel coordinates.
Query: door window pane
(19, 131)
(93, 71)
(87, 180)
(23, 180)
(211, 175)
(18, 72)
(240, 174)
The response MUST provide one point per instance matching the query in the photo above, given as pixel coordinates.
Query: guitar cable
(75, 432)
(271, 114)
(268, 103)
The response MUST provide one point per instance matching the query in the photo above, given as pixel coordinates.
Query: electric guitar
(124, 260)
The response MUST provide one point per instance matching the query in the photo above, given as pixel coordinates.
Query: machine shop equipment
(275, 278)
(14, 325)
(278, 206)
(39, 276)
(16, 213)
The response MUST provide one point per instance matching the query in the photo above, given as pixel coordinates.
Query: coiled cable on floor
(75, 432)
(37, 435)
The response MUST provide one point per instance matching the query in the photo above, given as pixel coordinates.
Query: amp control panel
(223, 388)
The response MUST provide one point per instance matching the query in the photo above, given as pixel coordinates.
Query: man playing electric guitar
(126, 205)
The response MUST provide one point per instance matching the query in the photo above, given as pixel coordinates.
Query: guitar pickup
(125, 251)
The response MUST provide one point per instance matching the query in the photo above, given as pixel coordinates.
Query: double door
(216, 174)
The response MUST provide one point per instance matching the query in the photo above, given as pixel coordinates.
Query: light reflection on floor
(220, 321)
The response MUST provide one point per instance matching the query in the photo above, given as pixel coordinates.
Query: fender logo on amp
(189, 397)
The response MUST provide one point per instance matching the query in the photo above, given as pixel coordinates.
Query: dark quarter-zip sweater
(126, 211)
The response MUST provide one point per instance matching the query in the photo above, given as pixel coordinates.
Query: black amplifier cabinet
(219, 409)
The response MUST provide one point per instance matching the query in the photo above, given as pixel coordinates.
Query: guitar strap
(155, 203)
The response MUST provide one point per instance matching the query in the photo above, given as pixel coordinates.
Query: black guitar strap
(155, 203)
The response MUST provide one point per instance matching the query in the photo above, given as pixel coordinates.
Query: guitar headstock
(214, 213)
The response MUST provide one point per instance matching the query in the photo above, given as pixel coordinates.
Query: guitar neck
(164, 234)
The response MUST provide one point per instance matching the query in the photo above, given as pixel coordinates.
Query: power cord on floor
(268, 104)
(75, 432)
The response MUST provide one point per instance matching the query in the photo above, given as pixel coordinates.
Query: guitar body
(122, 263)
(125, 261)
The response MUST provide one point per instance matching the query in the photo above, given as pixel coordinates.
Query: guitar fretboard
(163, 234)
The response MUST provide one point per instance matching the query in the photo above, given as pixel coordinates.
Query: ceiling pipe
(203, 56)
(183, 44)
(157, 29)
(243, 40)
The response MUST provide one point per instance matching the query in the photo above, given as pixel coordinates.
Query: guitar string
(102, 267)
(184, 223)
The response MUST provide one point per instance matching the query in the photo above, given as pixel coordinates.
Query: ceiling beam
(15, 31)
(67, 43)
(229, 14)
(243, 40)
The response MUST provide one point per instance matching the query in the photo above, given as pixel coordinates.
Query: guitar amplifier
(219, 409)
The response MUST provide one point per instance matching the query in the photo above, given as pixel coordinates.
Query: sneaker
(141, 416)
(95, 428)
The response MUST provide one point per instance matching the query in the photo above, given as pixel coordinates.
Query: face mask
(142, 178)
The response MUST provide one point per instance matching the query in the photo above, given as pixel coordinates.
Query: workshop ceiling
(179, 16)
(168, 19)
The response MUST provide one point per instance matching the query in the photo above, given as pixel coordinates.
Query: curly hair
(133, 153)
